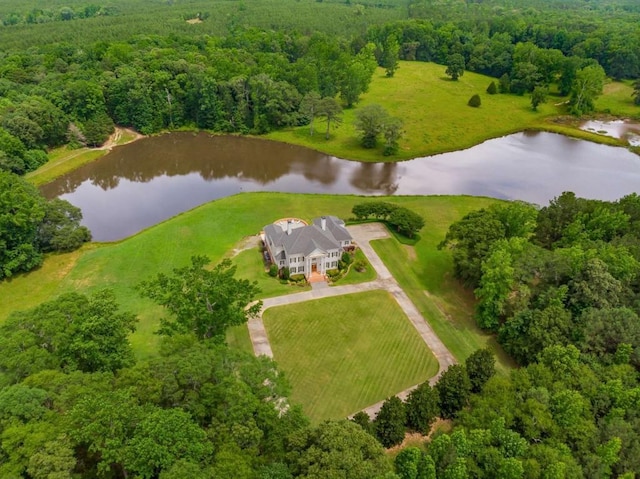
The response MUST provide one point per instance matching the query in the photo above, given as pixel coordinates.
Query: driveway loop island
(362, 235)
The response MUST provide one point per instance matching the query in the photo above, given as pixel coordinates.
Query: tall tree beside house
(201, 301)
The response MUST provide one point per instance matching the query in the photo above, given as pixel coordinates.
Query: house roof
(305, 240)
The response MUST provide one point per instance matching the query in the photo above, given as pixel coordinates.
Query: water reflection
(143, 183)
(621, 129)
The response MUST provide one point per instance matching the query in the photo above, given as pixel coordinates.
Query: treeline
(252, 82)
(521, 56)
(560, 288)
(31, 226)
(39, 15)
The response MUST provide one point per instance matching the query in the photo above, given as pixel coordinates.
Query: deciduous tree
(389, 422)
(455, 66)
(201, 301)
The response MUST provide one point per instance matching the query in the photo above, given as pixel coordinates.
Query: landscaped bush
(297, 278)
(273, 270)
(333, 273)
(360, 266)
(347, 258)
(342, 265)
(492, 89)
(285, 273)
(475, 101)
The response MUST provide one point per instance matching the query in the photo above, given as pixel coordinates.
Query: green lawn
(214, 229)
(353, 276)
(251, 267)
(345, 353)
(63, 160)
(442, 301)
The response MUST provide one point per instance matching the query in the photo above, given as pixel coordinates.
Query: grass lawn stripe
(344, 353)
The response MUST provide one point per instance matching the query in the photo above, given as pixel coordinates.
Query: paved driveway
(362, 234)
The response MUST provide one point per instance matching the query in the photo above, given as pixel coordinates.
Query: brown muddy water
(140, 184)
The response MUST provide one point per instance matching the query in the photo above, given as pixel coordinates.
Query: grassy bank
(345, 353)
(214, 229)
(437, 118)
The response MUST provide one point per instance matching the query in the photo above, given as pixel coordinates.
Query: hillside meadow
(437, 118)
(214, 228)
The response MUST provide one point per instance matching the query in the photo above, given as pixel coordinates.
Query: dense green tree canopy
(201, 301)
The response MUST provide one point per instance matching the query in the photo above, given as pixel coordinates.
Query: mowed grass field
(215, 228)
(345, 353)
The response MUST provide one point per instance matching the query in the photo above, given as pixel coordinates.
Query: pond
(140, 184)
(621, 129)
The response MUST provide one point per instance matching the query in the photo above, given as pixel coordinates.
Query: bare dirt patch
(246, 243)
(415, 439)
(438, 305)
(411, 252)
(193, 21)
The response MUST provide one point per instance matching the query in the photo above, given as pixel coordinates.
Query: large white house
(307, 249)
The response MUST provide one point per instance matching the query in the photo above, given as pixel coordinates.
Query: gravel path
(362, 234)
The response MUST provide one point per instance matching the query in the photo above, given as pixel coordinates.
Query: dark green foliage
(636, 92)
(369, 122)
(336, 449)
(407, 461)
(480, 368)
(363, 420)
(379, 209)
(60, 229)
(285, 273)
(22, 209)
(389, 422)
(475, 101)
(406, 221)
(472, 238)
(505, 83)
(347, 258)
(331, 111)
(273, 270)
(422, 408)
(492, 89)
(389, 58)
(455, 66)
(201, 301)
(538, 96)
(453, 389)
(392, 131)
(71, 332)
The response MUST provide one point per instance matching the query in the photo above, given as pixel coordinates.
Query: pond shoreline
(567, 126)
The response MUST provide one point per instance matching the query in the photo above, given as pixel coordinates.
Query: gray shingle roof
(305, 240)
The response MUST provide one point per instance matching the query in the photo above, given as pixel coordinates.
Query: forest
(558, 286)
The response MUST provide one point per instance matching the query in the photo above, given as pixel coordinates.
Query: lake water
(622, 129)
(140, 184)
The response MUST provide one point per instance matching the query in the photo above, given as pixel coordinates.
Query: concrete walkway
(362, 234)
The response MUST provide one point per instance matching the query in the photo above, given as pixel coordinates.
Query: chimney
(288, 227)
(323, 223)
